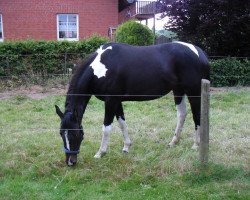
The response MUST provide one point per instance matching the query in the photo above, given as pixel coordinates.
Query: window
(67, 27)
(1, 28)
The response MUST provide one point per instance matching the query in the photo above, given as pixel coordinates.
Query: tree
(221, 27)
(134, 33)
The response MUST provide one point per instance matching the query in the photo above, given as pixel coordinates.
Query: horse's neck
(77, 95)
(78, 103)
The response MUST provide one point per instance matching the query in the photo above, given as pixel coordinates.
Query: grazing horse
(120, 72)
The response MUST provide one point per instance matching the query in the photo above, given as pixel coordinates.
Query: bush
(230, 72)
(44, 57)
(134, 33)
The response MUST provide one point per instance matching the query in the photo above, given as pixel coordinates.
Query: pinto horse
(120, 72)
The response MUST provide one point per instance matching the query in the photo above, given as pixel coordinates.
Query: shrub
(44, 57)
(230, 72)
(134, 33)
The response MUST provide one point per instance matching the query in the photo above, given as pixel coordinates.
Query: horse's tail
(205, 65)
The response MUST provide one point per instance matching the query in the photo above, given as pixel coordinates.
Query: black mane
(81, 67)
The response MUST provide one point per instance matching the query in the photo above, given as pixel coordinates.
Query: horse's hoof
(125, 151)
(171, 145)
(195, 147)
(99, 154)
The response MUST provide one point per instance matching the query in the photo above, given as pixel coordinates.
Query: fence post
(204, 128)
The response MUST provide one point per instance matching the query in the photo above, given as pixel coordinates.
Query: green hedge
(230, 72)
(44, 57)
(28, 58)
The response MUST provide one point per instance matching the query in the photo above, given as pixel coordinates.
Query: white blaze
(67, 140)
(190, 46)
(99, 68)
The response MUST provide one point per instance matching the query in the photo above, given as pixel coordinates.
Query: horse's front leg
(127, 141)
(110, 110)
(123, 126)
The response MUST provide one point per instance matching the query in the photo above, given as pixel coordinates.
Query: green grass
(32, 161)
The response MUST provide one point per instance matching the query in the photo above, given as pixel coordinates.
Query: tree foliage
(221, 27)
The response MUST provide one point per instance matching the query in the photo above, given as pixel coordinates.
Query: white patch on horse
(190, 46)
(99, 68)
(105, 140)
(67, 140)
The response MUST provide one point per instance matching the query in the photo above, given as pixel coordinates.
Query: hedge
(230, 72)
(44, 57)
(29, 58)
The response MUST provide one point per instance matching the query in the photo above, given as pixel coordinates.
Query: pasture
(32, 160)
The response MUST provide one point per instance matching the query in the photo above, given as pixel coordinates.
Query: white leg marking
(127, 141)
(67, 140)
(105, 140)
(181, 115)
(190, 46)
(196, 139)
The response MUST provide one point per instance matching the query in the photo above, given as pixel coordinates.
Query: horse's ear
(59, 112)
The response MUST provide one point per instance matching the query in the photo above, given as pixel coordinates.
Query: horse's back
(152, 70)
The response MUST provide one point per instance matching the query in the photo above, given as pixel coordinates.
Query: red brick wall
(127, 14)
(36, 19)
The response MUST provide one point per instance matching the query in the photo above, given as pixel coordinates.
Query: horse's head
(71, 132)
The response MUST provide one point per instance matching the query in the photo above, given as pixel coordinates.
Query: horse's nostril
(71, 160)
(70, 163)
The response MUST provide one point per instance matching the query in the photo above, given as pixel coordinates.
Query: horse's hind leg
(110, 110)
(121, 119)
(195, 102)
(180, 102)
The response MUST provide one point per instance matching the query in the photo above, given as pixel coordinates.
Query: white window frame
(77, 27)
(1, 39)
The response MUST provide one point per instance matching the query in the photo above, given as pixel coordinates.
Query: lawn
(32, 161)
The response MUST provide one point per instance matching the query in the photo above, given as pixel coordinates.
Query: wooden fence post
(204, 129)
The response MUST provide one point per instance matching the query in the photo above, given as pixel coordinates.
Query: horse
(119, 72)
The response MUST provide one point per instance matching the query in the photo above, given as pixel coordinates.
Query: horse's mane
(81, 67)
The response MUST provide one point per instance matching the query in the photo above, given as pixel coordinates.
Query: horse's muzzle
(71, 159)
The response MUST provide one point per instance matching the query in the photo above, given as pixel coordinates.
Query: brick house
(67, 19)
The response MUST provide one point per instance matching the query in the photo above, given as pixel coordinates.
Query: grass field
(32, 161)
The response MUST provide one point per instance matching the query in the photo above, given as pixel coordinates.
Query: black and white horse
(120, 72)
